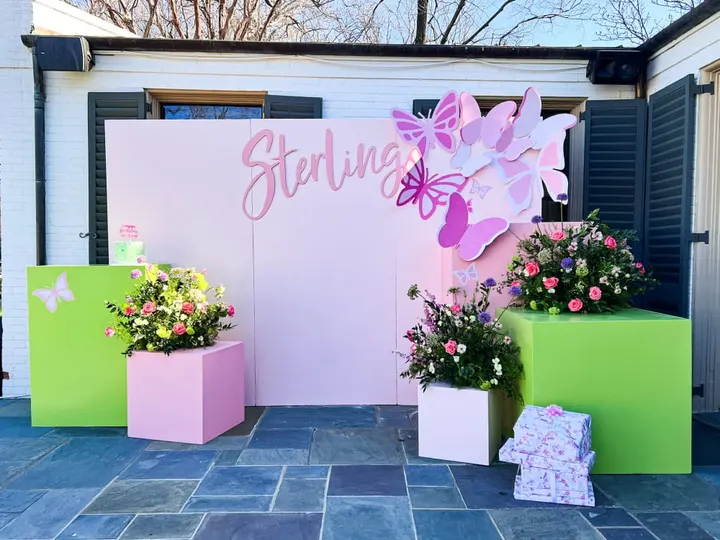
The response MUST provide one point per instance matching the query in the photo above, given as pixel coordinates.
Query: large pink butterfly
(438, 128)
(429, 191)
(525, 181)
(529, 130)
(52, 296)
(470, 239)
(488, 130)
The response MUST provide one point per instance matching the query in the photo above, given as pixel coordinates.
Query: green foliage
(587, 268)
(462, 344)
(169, 311)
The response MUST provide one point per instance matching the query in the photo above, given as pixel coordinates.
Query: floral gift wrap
(528, 491)
(510, 454)
(553, 433)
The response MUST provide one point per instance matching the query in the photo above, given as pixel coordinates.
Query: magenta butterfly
(529, 130)
(470, 239)
(525, 181)
(425, 133)
(429, 191)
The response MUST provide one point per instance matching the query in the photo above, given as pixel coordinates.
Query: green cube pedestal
(631, 371)
(77, 375)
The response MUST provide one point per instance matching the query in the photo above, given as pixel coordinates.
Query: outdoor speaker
(63, 53)
(615, 67)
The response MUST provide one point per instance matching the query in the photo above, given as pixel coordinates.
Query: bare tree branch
(488, 22)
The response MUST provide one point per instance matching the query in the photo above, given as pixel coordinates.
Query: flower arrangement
(169, 311)
(587, 268)
(462, 344)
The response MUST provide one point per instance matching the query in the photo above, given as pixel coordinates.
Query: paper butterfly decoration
(479, 190)
(470, 239)
(529, 130)
(430, 191)
(425, 133)
(51, 297)
(488, 130)
(525, 180)
(465, 275)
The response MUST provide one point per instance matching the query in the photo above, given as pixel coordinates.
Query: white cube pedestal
(461, 425)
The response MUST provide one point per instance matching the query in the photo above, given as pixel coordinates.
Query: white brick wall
(17, 174)
(686, 55)
(350, 87)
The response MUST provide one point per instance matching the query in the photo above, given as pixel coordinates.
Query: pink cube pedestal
(461, 425)
(191, 396)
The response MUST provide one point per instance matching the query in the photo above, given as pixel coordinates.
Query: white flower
(495, 360)
(431, 368)
(627, 275)
(461, 348)
(625, 288)
(551, 291)
(508, 340)
(183, 317)
(439, 323)
(493, 381)
(617, 290)
(456, 358)
(604, 280)
(472, 318)
(467, 318)
(539, 289)
(498, 325)
(458, 323)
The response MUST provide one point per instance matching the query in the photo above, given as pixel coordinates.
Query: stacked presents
(552, 447)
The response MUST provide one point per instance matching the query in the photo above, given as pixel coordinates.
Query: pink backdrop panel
(325, 285)
(180, 183)
(492, 263)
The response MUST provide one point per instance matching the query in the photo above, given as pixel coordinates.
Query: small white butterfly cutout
(52, 296)
(465, 275)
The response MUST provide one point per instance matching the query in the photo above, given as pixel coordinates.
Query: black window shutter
(104, 106)
(292, 107)
(423, 107)
(668, 195)
(614, 166)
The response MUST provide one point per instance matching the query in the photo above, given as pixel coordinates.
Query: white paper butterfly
(464, 275)
(60, 291)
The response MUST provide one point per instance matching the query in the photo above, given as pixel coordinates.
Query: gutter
(40, 207)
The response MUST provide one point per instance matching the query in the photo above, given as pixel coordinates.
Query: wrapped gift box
(546, 473)
(553, 433)
(527, 491)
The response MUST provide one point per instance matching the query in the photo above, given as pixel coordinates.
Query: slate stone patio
(310, 473)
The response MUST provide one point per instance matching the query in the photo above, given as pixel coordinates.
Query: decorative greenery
(462, 344)
(169, 311)
(587, 268)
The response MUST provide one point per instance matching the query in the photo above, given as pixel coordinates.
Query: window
(182, 111)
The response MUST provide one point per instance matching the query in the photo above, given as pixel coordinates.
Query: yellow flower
(201, 281)
(150, 347)
(163, 333)
(190, 331)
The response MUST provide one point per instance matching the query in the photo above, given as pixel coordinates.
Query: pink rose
(551, 282)
(413, 348)
(558, 235)
(610, 242)
(532, 269)
(187, 308)
(130, 311)
(162, 276)
(595, 293)
(148, 308)
(515, 283)
(455, 309)
(450, 347)
(109, 332)
(231, 311)
(575, 304)
(640, 267)
(135, 274)
(179, 329)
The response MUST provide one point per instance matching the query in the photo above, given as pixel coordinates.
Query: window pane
(210, 112)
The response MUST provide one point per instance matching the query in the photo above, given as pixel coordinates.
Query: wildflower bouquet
(587, 268)
(462, 344)
(169, 311)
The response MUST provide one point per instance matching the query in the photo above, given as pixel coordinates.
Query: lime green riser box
(631, 371)
(77, 375)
